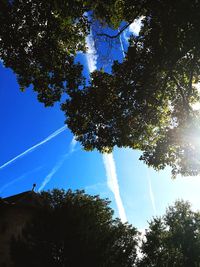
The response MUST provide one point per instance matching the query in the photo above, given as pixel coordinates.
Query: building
(15, 212)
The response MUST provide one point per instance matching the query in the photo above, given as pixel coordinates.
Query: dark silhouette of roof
(28, 198)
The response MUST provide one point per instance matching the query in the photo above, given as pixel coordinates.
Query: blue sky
(35, 148)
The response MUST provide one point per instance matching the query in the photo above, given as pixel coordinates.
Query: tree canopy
(146, 102)
(39, 40)
(174, 239)
(74, 229)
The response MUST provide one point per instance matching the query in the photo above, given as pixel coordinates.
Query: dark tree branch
(116, 35)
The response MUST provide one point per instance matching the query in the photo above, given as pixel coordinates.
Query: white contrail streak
(91, 55)
(58, 165)
(108, 159)
(51, 136)
(112, 182)
(52, 172)
(72, 145)
(135, 28)
(151, 194)
(121, 43)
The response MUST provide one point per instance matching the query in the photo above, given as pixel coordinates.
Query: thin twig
(116, 35)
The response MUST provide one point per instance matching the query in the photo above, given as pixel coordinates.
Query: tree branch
(116, 35)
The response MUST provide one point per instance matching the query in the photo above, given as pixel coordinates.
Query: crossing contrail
(113, 184)
(151, 194)
(51, 136)
(121, 44)
(52, 172)
(91, 55)
(108, 160)
(135, 28)
(58, 165)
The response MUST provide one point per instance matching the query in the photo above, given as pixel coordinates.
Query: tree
(146, 103)
(75, 229)
(38, 41)
(174, 239)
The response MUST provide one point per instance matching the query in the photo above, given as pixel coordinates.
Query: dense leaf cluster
(146, 102)
(75, 229)
(174, 239)
(39, 39)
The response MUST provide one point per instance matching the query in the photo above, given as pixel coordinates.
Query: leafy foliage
(173, 240)
(75, 229)
(39, 39)
(147, 101)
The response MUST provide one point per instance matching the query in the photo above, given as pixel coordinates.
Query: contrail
(108, 160)
(135, 28)
(72, 145)
(51, 136)
(151, 194)
(58, 165)
(52, 172)
(112, 182)
(91, 54)
(121, 43)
